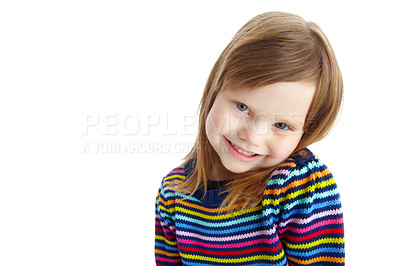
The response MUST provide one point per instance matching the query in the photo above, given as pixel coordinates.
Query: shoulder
(304, 164)
(176, 176)
(300, 175)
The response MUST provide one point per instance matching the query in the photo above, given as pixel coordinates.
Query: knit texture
(298, 222)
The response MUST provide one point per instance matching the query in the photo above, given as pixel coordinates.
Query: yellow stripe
(297, 183)
(213, 210)
(236, 260)
(170, 210)
(163, 238)
(310, 189)
(316, 243)
(218, 217)
(174, 176)
(169, 206)
(293, 195)
(319, 259)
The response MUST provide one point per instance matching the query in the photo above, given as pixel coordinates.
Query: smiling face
(254, 129)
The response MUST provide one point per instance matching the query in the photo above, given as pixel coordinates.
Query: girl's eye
(281, 125)
(242, 107)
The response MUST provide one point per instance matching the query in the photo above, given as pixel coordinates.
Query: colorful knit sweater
(298, 222)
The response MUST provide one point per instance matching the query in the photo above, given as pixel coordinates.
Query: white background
(78, 74)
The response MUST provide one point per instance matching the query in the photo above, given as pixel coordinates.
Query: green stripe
(305, 169)
(295, 172)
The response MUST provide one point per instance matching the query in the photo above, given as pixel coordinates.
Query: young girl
(250, 192)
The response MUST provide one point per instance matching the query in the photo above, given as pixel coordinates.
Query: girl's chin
(241, 167)
(237, 169)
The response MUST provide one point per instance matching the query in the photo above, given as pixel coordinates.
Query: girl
(250, 192)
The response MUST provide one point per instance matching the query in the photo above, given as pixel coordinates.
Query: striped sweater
(298, 222)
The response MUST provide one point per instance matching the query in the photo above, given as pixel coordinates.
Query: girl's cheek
(233, 123)
(215, 122)
(284, 145)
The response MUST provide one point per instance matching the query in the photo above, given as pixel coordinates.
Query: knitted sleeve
(311, 221)
(166, 247)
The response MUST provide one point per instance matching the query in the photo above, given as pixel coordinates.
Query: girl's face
(258, 128)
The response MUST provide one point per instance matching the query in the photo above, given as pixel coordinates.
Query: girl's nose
(256, 134)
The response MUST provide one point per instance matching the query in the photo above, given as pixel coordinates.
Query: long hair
(272, 47)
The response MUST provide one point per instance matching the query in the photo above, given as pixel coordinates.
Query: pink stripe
(160, 222)
(228, 238)
(167, 230)
(312, 227)
(172, 227)
(283, 171)
(236, 245)
(168, 260)
(311, 218)
(167, 188)
(177, 171)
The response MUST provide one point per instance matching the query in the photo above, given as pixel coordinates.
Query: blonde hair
(272, 47)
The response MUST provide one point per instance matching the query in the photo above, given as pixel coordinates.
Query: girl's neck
(219, 172)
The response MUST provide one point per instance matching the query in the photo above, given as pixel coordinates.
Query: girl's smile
(258, 128)
(240, 153)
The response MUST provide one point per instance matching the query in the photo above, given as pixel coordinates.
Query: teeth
(242, 151)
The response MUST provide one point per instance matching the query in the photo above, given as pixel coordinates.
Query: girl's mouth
(239, 153)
